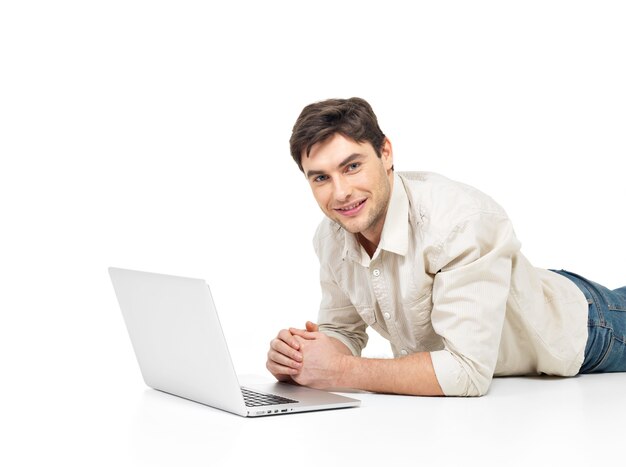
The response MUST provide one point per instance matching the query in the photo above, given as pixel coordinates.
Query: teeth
(352, 206)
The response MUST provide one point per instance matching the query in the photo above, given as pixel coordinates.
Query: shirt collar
(395, 235)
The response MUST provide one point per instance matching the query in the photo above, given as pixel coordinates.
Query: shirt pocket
(418, 311)
(419, 333)
(367, 313)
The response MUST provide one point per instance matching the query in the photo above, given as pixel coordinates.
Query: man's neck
(370, 247)
(370, 239)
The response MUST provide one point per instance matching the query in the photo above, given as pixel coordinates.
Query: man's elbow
(477, 387)
(470, 386)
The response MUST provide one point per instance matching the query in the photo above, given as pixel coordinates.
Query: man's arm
(412, 375)
(328, 363)
(471, 288)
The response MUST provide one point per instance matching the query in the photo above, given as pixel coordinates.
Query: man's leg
(606, 345)
(621, 292)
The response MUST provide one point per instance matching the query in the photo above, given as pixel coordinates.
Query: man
(435, 267)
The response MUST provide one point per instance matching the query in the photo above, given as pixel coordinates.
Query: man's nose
(343, 189)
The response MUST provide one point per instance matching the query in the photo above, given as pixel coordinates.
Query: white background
(154, 135)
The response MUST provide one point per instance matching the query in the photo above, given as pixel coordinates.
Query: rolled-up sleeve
(470, 291)
(338, 318)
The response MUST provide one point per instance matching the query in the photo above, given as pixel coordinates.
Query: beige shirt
(448, 278)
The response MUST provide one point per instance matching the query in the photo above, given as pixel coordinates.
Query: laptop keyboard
(256, 399)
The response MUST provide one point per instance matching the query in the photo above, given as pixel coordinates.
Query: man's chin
(353, 228)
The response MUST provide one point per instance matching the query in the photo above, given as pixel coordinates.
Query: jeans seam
(606, 354)
(608, 351)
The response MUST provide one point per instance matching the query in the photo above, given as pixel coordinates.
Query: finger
(277, 369)
(298, 332)
(312, 327)
(286, 336)
(282, 372)
(304, 334)
(283, 360)
(287, 351)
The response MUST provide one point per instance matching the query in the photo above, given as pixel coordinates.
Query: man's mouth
(351, 209)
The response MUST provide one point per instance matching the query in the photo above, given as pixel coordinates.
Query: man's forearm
(411, 375)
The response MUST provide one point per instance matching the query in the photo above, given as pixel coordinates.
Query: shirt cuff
(345, 341)
(450, 375)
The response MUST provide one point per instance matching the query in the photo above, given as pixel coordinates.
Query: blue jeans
(606, 346)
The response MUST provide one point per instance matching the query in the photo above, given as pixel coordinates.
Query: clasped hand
(306, 357)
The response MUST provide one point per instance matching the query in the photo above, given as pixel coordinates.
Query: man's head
(352, 118)
(348, 163)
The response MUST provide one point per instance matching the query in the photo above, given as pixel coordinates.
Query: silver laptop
(181, 349)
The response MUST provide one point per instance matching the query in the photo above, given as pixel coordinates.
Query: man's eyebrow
(343, 163)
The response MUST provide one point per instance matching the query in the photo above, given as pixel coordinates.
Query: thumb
(312, 327)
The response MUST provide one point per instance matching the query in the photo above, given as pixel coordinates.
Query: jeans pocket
(599, 349)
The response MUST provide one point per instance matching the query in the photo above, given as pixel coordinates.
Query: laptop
(179, 344)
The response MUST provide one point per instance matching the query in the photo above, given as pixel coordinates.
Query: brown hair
(353, 118)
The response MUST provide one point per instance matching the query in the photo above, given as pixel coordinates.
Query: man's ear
(386, 154)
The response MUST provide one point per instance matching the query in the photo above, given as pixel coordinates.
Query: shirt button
(376, 272)
(387, 315)
(404, 352)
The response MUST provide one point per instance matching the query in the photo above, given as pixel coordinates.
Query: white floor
(522, 421)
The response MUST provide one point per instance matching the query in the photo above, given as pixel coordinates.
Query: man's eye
(320, 178)
(353, 166)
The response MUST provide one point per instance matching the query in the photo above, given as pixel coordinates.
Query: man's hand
(284, 359)
(323, 358)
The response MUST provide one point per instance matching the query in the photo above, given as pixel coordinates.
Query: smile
(351, 209)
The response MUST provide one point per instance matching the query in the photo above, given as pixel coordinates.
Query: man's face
(351, 184)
